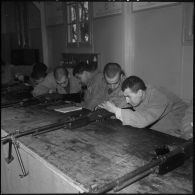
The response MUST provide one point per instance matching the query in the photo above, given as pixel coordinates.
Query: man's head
(113, 75)
(83, 72)
(38, 73)
(61, 76)
(134, 90)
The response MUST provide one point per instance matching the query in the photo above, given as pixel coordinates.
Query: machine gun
(73, 123)
(12, 95)
(48, 99)
(164, 162)
(16, 88)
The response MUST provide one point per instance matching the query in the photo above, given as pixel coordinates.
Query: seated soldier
(114, 76)
(187, 123)
(153, 109)
(38, 74)
(55, 82)
(94, 81)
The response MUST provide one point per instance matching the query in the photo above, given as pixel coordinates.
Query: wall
(8, 30)
(187, 73)
(56, 43)
(9, 36)
(35, 39)
(160, 57)
(108, 39)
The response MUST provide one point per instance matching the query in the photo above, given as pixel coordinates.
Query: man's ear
(122, 77)
(140, 92)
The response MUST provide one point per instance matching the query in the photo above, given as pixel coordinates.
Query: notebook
(68, 109)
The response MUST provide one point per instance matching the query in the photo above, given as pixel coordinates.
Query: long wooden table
(73, 161)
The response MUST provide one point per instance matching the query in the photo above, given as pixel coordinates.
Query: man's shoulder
(154, 93)
(154, 89)
(98, 77)
(49, 77)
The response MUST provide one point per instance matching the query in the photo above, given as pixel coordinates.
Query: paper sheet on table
(68, 109)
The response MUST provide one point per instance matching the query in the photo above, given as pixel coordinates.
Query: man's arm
(187, 123)
(147, 113)
(142, 118)
(47, 85)
(91, 100)
(40, 90)
(95, 94)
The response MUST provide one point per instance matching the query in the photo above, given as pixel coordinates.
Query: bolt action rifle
(164, 162)
(73, 123)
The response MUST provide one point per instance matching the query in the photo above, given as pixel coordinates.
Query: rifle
(73, 123)
(45, 100)
(164, 162)
(16, 88)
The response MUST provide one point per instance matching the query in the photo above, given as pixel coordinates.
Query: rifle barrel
(71, 124)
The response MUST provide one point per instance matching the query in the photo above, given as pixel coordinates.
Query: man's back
(170, 121)
(94, 93)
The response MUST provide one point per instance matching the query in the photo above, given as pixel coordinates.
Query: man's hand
(108, 106)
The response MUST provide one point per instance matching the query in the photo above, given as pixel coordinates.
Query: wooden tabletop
(100, 152)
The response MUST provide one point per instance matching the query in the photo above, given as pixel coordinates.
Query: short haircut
(39, 66)
(134, 83)
(81, 67)
(39, 70)
(111, 69)
(60, 70)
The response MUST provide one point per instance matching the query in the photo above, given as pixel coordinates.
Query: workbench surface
(94, 155)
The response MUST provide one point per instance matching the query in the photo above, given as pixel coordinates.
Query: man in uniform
(153, 107)
(55, 82)
(94, 82)
(114, 76)
(38, 74)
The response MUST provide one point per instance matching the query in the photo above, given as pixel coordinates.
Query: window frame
(78, 44)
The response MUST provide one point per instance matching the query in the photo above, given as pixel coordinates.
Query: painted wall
(108, 39)
(187, 73)
(35, 39)
(56, 44)
(8, 30)
(160, 57)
